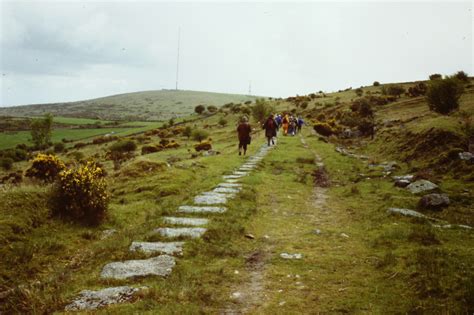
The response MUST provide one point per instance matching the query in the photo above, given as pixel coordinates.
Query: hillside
(147, 105)
(304, 227)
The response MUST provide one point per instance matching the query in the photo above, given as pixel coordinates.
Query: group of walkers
(290, 124)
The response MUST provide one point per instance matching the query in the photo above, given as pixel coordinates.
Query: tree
(443, 95)
(376, 83)
(41, 131)
(200, 135)
(171, 122)
(261, 110)
(435, 76)
(211, 109)
(199, 109)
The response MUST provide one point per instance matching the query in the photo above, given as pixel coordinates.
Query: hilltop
(137, 106)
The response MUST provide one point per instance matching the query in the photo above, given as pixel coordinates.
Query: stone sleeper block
(241, 173)
(232, 181)
(169, 248)
(232, 176)
(196, 209)
(181, 232)
(407, 212)
(157, 266)
(229, 185)
(185, 221)
(91, 300)
(210, 199)
(227, 190)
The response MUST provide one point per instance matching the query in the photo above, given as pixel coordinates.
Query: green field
(138, 106)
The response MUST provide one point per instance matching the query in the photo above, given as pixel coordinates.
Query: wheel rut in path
(162, 265)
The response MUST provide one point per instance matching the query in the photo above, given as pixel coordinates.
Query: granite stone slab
(194, 232)
(201, 209)
(157, 266)
(170, 248)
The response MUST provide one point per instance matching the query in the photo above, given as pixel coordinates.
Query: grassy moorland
(357, 258)
(138, 106)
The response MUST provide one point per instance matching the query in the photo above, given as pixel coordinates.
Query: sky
(58, 51)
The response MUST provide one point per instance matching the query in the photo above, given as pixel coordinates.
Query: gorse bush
(6, 163)
(261, 110)
(81, 194)
(462, 76)
(199, 109)
(45, 167)
(443, 95)
(435, 76)
(222, 122)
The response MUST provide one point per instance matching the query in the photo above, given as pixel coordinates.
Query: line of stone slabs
(162, 265)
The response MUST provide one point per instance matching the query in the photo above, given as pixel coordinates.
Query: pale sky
(59, 51)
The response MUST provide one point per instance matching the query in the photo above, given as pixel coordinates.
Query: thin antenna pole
(250, 87)
(177, 58)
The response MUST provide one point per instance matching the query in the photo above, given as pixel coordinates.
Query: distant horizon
(218, 92)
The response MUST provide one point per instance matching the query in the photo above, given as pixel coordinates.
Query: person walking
(285, 122)
(243, 132)
(271, 128)
(300, 123)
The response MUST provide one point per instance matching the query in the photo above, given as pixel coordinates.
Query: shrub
(14, 154)
(393, 89)
(222, 122)
(245, 110)
(199, 135)
(359, 92)
(462, 76)
(59, 147)
(417, 90)
(211, 109)
(104, 139)
(147, 149)
(171, 122)
(304, 105)
(435, 76)
(199, 109)
(203, 146)
(81, 194)
(172, 145)
(123, 146)
(376, 83)
(261, 110)
(79, 145)
(443, 95)
(77, 155)
(6, 163)
(187, 132)
(366, 127)
(45, 167)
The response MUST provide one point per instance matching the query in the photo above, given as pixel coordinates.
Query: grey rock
(107, 233)
(420, 186)
(91, 300)
(407, 212)
(203, 209)
(185, 221)
(467, 156)
(181, 232)
(157, 266)
(450, 226)
(170, 248)
(408, 177)
(434, 201)
(291, 256)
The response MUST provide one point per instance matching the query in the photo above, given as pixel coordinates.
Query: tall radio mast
(177, 58)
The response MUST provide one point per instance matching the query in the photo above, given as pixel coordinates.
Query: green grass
(388, 264)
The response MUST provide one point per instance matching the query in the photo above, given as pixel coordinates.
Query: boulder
(467, 156)
(434, 201)
(402, 183)
(421, 185)
(91, 300)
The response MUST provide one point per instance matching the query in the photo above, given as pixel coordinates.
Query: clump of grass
(321, 177)
(423, 234)
(304, 160)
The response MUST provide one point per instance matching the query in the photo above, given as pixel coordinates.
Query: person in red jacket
(243, 131)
